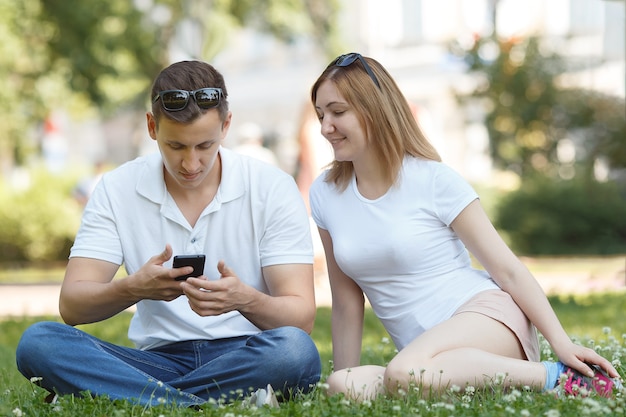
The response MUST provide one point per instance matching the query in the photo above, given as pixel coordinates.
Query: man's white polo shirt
(256, 219)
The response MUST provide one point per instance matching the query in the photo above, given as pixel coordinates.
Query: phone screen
(196, 261)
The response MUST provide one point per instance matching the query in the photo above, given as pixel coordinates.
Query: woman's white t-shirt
(400, 248)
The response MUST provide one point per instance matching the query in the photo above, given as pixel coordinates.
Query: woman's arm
(480, 237)
(347, 312)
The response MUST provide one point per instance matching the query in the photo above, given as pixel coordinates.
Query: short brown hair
(188, 75)
(384, 114)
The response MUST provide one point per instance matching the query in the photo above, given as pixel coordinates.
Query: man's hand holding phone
(218, 296)
(195, 261)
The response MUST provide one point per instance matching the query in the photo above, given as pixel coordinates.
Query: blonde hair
(384, 114)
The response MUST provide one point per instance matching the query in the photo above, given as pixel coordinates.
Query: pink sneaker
(601, 382)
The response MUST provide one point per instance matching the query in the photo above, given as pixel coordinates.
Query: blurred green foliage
(95, 58)
(551, 217)
(555, 139)
(528, 113)
(38, 223)
(99, 57)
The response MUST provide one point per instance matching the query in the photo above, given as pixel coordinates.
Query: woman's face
(340, 125)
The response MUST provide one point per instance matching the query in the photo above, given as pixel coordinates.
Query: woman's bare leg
(359, 383)
(468, 349)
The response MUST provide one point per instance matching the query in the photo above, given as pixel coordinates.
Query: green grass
(595, 320)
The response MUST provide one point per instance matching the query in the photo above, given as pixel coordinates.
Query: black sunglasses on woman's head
(348, 59)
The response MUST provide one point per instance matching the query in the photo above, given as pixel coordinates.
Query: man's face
(189, 151)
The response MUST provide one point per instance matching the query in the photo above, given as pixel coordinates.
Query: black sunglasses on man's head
(176, 100)
(348, 59)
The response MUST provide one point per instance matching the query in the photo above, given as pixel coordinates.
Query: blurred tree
(528, 116)
(102, 55)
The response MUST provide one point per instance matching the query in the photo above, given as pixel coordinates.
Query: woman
(395, 224)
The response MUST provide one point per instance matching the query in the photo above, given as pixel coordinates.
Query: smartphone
(197, 261)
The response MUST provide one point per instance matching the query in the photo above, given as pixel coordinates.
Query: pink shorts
(499, 305)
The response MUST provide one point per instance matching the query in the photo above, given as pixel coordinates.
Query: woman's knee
(398, 375)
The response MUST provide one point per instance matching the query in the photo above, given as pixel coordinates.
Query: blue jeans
(70, 361)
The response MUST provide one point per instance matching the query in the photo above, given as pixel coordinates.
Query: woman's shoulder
(424, 168)
(415, 162)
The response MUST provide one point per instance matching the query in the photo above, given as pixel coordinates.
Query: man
(242, 325)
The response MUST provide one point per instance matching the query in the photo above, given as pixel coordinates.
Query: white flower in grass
(385, 341)
(512, 396)
(510, 410)
(17, 412)
(552, 413)
(499, 378)
(525, 413)
(366, 403)
(592, 404)
(306, 404)
(161, 400)
(396, 408)
(606, 330)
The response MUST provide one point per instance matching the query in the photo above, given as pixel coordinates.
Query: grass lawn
(594, 320)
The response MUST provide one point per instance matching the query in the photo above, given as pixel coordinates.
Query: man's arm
(89, 293)
(290, 302)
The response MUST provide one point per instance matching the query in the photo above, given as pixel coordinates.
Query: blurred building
(269, 82)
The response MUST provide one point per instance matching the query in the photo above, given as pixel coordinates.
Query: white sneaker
(262, 397)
